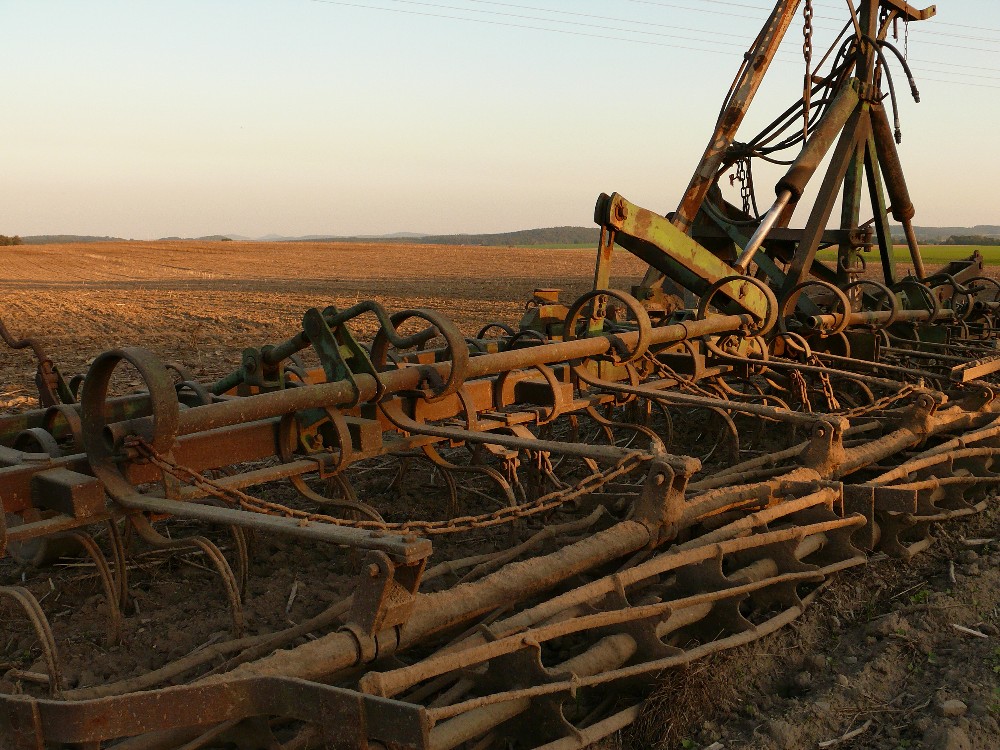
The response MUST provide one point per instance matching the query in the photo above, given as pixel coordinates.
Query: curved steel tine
(213, 553)
(40, 623)
(121, 568)
(242, 547)
(631, 426)
(111, 590)
(447, 468)
(151, 536)
(454, 508)
(348, 502)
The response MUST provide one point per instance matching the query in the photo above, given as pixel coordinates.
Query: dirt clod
(947, 738)
(953, 707)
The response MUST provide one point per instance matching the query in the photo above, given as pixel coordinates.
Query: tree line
(5, 240)
(972, 239)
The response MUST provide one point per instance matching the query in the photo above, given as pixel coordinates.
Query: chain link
(882, 403)
(807, 53)
(801, 389)
(507, 514)
(743, 177)
(824, 379)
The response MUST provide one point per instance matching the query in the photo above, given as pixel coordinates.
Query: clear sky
(148, 118)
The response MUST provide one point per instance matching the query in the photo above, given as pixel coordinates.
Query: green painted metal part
(673, 253)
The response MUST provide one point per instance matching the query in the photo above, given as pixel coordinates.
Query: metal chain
(801, 389)
(882, 403)
(807, 53)
(824, 379)
(507, 514)
(664, 371)
(743, 176)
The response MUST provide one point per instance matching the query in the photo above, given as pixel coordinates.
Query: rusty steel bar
(734, 110)
(394, 682)
(267, 405)
(433, 613)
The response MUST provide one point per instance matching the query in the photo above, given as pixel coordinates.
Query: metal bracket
(660, 505)
(386, 594)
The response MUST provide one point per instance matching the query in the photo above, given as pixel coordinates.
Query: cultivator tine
(112, 589)
(121, 569)
(241, 545)
(231, 583)
(510, 537)
(43, 632)
(52, 389)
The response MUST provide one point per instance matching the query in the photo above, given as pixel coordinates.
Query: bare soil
(201, 303)
(879, 652)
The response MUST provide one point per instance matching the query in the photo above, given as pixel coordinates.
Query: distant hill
(522, 238)
(57, 239)
(985, 233)
(940, 235)
(338, 237)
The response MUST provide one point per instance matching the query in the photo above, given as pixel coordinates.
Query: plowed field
(873, 666)
(202, 302)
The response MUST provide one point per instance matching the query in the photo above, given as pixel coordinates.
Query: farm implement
(524, 528)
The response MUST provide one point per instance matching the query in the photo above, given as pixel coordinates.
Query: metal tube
(875, 317)
(735, 110)
(436, 612)
(766, 224)
(276, 403)
(911, 243)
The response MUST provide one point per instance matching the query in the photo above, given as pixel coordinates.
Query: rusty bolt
(374, 570)
(621, 212)
(659, 479)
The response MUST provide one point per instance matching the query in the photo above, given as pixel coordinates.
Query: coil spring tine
(36, 616)
(232, 586)
(242, 547)
(108, 581)
(121, 568)
(212, 552)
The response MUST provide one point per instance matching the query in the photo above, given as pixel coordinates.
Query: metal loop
(645, 326)
(766, 323)
(841, 298)
(457, 349)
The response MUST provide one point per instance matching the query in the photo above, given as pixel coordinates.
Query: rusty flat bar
(30, 723)
(974, 370)
(397, 547)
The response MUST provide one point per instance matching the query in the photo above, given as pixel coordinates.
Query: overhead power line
(582, 24)
(644, 23)
(762, 8)
(511, 24)
(687, 43)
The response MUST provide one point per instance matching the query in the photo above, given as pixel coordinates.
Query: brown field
(202, 302)
(878, 647)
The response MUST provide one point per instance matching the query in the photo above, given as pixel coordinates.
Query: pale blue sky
(146, 118)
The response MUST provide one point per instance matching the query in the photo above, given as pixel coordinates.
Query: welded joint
(386, 594)
(917, 417)
(825, 452)
(660, 506)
